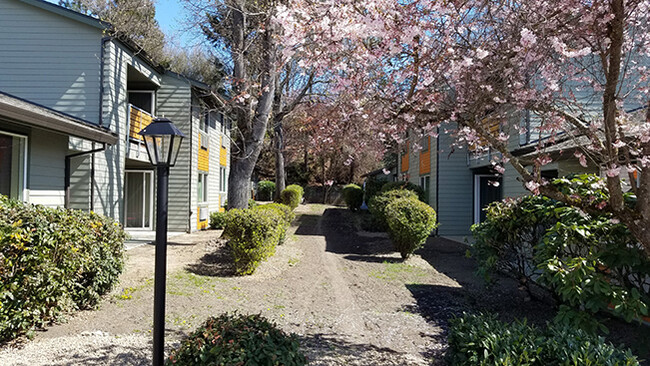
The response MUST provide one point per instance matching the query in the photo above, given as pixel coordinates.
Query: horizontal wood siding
(80, 183)
(456, 198)
(46, 168)
(173, 100)
(138, 119)
(50, 59)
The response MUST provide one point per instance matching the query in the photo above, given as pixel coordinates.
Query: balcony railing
(138, 119)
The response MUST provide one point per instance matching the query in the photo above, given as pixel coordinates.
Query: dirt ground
(350, 298)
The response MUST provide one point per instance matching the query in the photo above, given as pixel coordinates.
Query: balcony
(138, 119)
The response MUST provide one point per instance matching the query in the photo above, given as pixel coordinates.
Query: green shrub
(265, 190)
(372, 187)
(483, 340)
(52, 261)
(291, 197)
(589, 262)
(233, 339)
(390, 186)
(377, 205)
(252, 237)
(218, 220)
(353, 196)
(298, 188)
(410, 223)
(282, 215)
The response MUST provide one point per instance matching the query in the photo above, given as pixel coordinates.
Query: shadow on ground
(330, 349)
(217, 262)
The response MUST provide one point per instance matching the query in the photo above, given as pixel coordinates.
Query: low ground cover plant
(353, 196)
(483, 340)
(410, 222)
(218, 220)
(234, 339)
(252, 236)
(377, 205)
(587, 261)
(53, 261)
(265, 190)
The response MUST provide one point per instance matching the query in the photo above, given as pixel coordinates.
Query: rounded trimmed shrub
(265, 190)
(298, 188)
(282, 214)
(353, 196)
(252, 237)
(291, 197)
(391, 186)
(218, 220)
(234, 339)
(53, 261)
(410, 223)
(377, 205)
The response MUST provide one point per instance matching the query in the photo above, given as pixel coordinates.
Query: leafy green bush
(410, 223)
(252, 237)
(52, 261)
(291, 197)
(391, 186)
(353, 196)
(298, 188)
(372, 187)
(282, 215)
(233, 339)
(265, 190)
(589, 262)
(483, 340)
(377, 205)
(218, 220)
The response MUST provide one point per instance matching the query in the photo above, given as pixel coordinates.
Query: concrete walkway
(142, 237)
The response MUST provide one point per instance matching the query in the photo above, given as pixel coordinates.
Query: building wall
(50, 59)
(173, 101)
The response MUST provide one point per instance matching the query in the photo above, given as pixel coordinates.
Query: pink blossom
(533, 186)
(614, 171)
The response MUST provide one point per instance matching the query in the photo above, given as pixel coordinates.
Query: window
(13, 160)
(143, 99)
(222, 179)
(425, 144)
(424, 184)
(202, 187)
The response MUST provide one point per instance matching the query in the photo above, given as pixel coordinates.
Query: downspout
(437, 177)
(101, 80)
(92, 174)
(189, 192)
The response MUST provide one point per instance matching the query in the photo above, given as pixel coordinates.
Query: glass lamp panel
(150, 143)
(164, 144)
(176, 148)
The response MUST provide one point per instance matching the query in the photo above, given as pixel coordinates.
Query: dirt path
(346, 294)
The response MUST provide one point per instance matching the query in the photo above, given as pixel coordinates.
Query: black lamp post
(163, 141)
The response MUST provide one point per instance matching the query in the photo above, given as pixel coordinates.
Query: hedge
(53, 261)
(234, 339)
(291, 197)
(377, 205)
(282, 214)
(484, 340)
(218, 220)
(391, 186)
(410, 223)
(265, 190)
(252, 237)
(353, 196)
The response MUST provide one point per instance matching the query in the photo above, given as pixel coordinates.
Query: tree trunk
(280, 174)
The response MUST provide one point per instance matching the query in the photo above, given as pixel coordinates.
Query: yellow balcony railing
(138, 119)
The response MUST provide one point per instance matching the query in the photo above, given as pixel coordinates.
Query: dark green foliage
(377, 205)
(252, 237)
(52, 261)
(484, 340)
(372, 188)
(283, 216)
(590, 262)
(410, 223)
(291, 196)
(218, 220)
(390, 186)
(353, 196)
(265, 190)
(233, 339)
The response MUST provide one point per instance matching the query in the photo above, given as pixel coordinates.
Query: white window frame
(477, 194)
(153, 99)
(202, 180)
(23, 190)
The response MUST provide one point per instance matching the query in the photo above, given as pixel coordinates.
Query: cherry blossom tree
(579, 66)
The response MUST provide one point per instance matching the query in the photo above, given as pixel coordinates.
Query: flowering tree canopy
(579, 67)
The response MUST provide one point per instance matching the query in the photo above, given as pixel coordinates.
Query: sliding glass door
(13, 154)
(139, 199)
